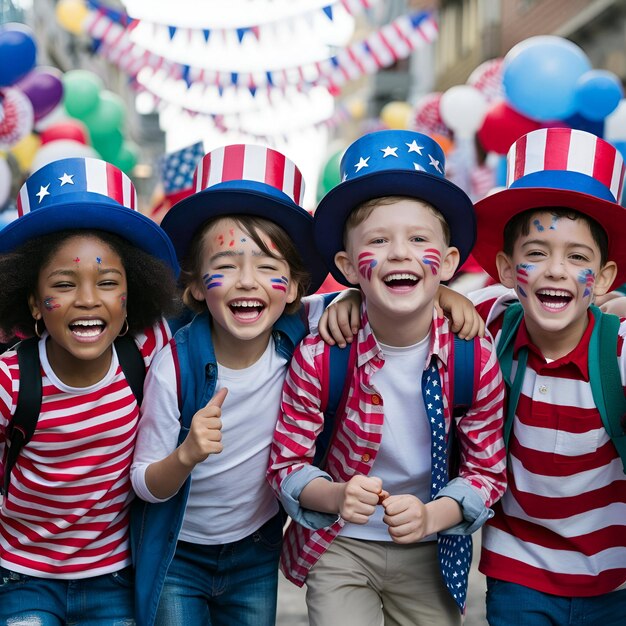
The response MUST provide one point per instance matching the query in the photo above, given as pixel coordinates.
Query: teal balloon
(81, 92)
(107, 116)
(127, 157)
(330, 176)
(108, 144)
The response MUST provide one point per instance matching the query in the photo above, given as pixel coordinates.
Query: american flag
(176, 172)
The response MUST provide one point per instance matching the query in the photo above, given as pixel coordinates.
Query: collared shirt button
(543, 389)
(366, 457)
(376, 399)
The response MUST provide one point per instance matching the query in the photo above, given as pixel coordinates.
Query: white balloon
(5, 181)
(61, 149)
(463, 109)
(615, 123)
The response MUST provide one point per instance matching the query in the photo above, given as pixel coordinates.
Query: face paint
(588, 278)
(98, 260)
(522, 276)
(432, 258)
(76, 260)
(555, 219)
(538, 226)
(123, 299)
(231, 232)
(366, 264)
(280, 283)
(212, 280)
(220, 240)
(50, 304)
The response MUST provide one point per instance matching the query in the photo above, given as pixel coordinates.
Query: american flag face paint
(521, 275)
(50, 303)
(212, 280)
(367, 263)
(432, 257)
(587, 277)
(280, 284)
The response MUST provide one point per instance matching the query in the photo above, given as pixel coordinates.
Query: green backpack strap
(504, 350)
(605, 379)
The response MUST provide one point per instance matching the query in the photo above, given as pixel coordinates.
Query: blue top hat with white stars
(392, 163)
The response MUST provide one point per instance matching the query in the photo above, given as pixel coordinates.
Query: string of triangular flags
(380, 49)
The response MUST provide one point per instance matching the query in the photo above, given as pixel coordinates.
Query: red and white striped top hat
(557, 167)
(86, 194)
(247, 179)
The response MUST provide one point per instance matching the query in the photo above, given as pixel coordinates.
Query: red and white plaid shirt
(359, 431)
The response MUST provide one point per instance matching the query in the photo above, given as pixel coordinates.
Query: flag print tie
(455, 551)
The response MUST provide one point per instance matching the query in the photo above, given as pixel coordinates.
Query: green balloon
(127, 157)
(330, 176)
(107, 116)
(108, 144)
(81, 92)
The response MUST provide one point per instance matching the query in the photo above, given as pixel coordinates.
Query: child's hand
(613, 302)
(205, 434)
(340, 321)
(464, 319)
(407, 518)
(359, 498)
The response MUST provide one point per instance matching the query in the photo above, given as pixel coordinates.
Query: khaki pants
(369, 583)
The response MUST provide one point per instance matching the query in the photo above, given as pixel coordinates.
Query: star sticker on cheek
(43, 192)
(66, 179)
(389, 151)
(413, 147)
(434, 163)
(362, 163)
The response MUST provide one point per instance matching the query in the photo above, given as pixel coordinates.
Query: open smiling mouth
(401, 280)
(87, 328)
(246, 310)
(555, 299)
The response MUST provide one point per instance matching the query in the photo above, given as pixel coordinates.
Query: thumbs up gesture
(205, 434)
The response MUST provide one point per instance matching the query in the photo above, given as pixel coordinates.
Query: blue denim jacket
(155, 527)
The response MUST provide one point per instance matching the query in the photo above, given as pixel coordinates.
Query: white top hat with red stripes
(557, 167)
(246, 179)
(86, 194)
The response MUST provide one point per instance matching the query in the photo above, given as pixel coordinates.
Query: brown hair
(255, 227)
(519, 226)
(362, 211)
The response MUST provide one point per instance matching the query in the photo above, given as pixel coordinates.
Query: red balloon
(67, 129)
(502, 126)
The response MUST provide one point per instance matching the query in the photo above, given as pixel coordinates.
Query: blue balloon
(580, 122)
(17, 53)
(540, 76)
(598, 92)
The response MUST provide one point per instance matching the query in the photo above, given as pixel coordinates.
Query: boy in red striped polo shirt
(555, 552)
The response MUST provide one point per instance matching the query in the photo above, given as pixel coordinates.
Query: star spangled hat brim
(333, 211)
(86, 213)
(245, 197)
(495, 211)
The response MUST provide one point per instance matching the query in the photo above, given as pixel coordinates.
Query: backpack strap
(605, 379)
(24, 421)
(338, 363)
(132, 364)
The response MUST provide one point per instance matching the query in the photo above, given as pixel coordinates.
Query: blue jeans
(509, 604)
(223, 585)
(105, 600)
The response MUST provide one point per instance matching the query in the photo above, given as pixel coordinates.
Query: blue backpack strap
(606, 382)
(338, 363)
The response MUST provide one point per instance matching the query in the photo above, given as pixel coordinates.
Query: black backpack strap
(132, 364)
(24, 421)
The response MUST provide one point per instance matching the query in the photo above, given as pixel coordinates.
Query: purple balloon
(44, 88)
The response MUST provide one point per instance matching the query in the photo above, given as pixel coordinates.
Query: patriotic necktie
(455, 551)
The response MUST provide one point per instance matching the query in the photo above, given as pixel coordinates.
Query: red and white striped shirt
(67, 512)
(359, 431)
(561, 526)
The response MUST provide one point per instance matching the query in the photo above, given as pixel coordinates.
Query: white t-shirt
(403, 461)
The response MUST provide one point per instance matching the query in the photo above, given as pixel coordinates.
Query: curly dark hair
(151, 285)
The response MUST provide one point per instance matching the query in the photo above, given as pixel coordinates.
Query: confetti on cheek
(123, 300)
(212, 280)
(521, 274)
(432, 257)
(280, 284)
(366, 264)
(588, 278)
(50, 304)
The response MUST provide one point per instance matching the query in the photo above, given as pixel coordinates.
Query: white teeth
(400, 277)
(88, 323)
(246, 303)
(555, 293)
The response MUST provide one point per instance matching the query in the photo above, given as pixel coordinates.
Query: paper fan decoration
(426, 117)
(487, 78)
(18, 117)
